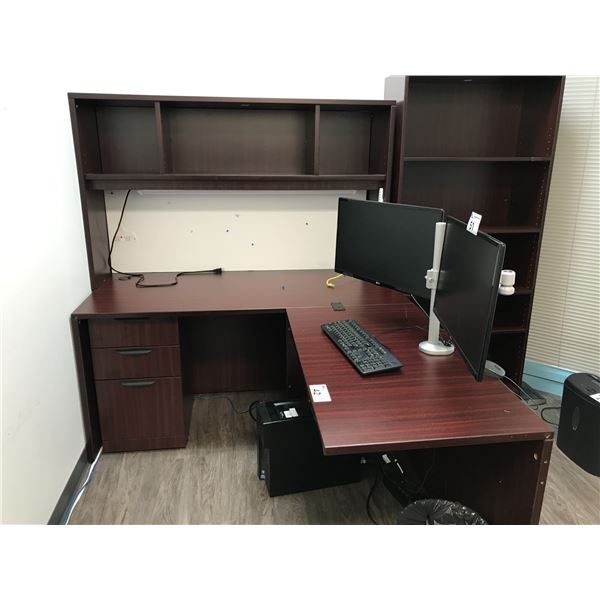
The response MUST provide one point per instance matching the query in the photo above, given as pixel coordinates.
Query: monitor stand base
(436, 348)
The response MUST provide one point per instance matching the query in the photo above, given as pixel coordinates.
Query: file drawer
(141, 414)
(121, 363)
(118, 333)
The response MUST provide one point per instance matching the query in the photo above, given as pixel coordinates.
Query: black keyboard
(364, 351)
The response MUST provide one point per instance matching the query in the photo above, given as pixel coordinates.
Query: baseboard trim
(545, 378)
(58, 514)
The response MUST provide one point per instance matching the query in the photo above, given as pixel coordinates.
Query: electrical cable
(375, 482)
(549, 408)
(246, 411)
(71, 506)
(419, 488)
(448, 340)
(419, 305)
(253, 417)
(529, 401)
(528, 396)
(141, 277)
(328, 282)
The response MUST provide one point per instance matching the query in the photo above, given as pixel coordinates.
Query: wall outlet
(126, 236)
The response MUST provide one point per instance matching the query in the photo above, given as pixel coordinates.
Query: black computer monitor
(467, 290)
(387, 244)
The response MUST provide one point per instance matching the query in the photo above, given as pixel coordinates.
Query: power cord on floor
(549, 408)
(246, 411)
(71, 506)
(375, 482)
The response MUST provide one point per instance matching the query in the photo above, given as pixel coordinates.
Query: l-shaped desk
(143, 353)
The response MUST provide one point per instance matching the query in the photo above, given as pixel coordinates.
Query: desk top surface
(231, 291)
(431, 401)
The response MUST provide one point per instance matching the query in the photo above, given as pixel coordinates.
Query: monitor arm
(433, 346)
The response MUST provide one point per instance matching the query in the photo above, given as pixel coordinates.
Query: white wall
(234, 230)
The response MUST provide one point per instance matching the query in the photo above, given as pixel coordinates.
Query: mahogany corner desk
(142, 353)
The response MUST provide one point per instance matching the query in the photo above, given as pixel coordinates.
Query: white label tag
(293, 412)
(596, 397)
(380, 195)
(320, 393)
(473, 224)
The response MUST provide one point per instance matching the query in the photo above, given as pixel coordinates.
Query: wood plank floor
(214, 480)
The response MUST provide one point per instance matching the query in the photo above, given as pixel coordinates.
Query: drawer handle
(134, 352)
(144, 383)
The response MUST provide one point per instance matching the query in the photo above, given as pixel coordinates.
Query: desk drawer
(114, 333)
(141, 414)
(122, 363)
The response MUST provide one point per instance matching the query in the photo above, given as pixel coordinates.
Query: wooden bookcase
(484, 144)
(177, 143)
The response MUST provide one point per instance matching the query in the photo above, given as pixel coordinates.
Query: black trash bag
(433, 511)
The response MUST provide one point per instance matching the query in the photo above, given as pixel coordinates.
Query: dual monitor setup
(435, 259)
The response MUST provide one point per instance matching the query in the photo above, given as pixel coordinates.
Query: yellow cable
(328, 282)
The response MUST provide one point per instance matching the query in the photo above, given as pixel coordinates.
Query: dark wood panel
(93, 209)
(521, 255)
(87, 390)
(151, 413)
(231, 291)
(121, 363)
(344, 141)
(213, 101)
(503, 193)
(430, 402)
(379, 145)
(295, 384)
(128, 139)
(186, 181)
(461, 118)
(162, 137)
(221, 141)
(481, 116)
(313, 148)
(133, 332)
(507, 349)
(504, 483)
(224, 353)
(512, 311)
(540, 114)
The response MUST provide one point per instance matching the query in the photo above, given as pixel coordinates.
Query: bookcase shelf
(484, 144)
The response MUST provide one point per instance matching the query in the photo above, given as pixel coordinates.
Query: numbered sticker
(473, 224)
(320, 393)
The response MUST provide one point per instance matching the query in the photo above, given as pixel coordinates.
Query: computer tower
(290, 454)
(579, 423)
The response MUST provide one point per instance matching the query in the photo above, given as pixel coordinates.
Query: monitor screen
(465, 299)
(388, 244)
